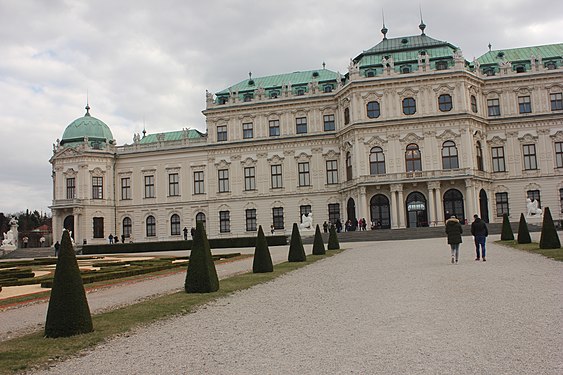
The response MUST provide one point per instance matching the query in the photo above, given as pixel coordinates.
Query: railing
(135, 147)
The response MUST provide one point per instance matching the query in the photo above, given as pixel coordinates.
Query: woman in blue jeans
(454, 231)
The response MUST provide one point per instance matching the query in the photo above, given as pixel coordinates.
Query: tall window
(223, 175)
(561, 198)
(301, 125)
(479, 157)
(333, 212)
(498, 159)
(346, 116)
(277, 217)
(304, 177)
(149, 187)
(449, 156)
(175, 225)
(249, 178)
(127, 225)
(251, 220)
(413, 158)
(556, 101)
(98, 227)
(373, 109)
(502, 203)
(224, 221)
(530, 161)
(376, 161)
(274, 126)
(200, 218)
(524, 104)
(247, 130)
(126, 188)
(445, 102)
(348, 166)
(97, 188)
(277, 181)
(198, 183)
(70, 188)
(473, 100)
(329, 122)
(559, 154)
(331, 172)
(221, 133)
(409, 106)
(493, 106)
(304, 210)
(173, 184)
(151, 226)
(534, 195)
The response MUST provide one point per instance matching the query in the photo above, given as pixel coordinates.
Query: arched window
(370, 73)
(328, 88)
(445, 102)
(412, 158)
(200, 217)
(127, 225)
(449, 155)
(376, 161)
(409, 106)
(348, 166)
(479, 157)
(346, 116)
(405, 69)
(175, 225)
(151, 226)
(473, 104)
(373, 109)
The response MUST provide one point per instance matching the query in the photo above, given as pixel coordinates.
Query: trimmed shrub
(549, 238)
(318, 244)
(523, 232)
(506, 234)
(202, 275)
(296, 250)
(68, 313)
(262, 258)
(333, 243)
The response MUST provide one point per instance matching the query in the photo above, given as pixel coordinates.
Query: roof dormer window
(520, 69)
(405, 69)
(328, 88)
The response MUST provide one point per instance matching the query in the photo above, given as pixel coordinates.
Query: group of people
(479, 231)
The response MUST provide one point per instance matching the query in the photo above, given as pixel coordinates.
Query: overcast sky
(150, 62)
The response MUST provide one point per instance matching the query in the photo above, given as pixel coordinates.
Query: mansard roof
(172, 136)
(546, 52)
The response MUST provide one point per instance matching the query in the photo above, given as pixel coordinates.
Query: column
(77, 235)
(362, 209)
(401, 207)
(470, 209)
(439, 206)
(431, 205)
(394, 224)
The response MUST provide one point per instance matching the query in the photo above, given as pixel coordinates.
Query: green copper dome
(87, 126)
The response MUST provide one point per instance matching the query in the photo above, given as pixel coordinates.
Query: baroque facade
(412, 133)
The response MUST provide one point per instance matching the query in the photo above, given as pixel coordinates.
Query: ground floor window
(224, 221)
(98, 223)
(200, 217)
(151, 226)
(127, 225)
(333, 212)
(277, 217)
(502, 204)
(175, 225)
(304, 210)
(251, 220)
(561, 198)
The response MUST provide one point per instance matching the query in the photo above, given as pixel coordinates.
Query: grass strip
(534, 247)
(34, 351)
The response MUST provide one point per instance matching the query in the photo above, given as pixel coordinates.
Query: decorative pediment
(473, 90)
(496, 141)
(250, 206)
(305, 202)
(448, 134)
(346, 146)
(444, 89)
(532, 186)
(372, 96)
(344, 102)
(407, 92)
(554, 88)
(331, 154)
(501, 189)
(558, 136)
(97, 172)
(172, 168)
(303, 157)
(223, 164)
(275, 159)
(70, 172)
(411, 138)
(148, 170)
(491, 94)
(478, 134)
(248, 162)
(224, 207)
(375, 141)
(125, 172)
(67, 152)
(528, 138)
(276, 204)
(524, 90)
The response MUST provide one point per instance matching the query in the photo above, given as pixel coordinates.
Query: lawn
(534, 247)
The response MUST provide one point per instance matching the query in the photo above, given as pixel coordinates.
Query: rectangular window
(329, 122)
(70, 188)
(149, 187)
(249, 178)
(222, 133)
(534, 195)
(556, 101)
(277, 182)
(494, 107)
(97, 188)
(304, 176)
(304, 210)
(224, 222)
(251, 220)
(247, 130)
(498, 159)
(198, 183)
(331, 172)
(559, 154)
(301, 125)
(502, 203)
(277, 217)
(333, 212)
(223, 175)
(274, 128)
(173, 184)
(530, 161)
(126, 188)
(524, 104)
(98, 224)
(561, 198)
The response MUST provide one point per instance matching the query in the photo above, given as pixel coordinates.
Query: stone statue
(306, 222)
(8, 238)
(10, 241)
(532, 207)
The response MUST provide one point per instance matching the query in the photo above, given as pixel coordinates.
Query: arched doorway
(380, 211)
(453, 204)
(68, 224)
(484, 205)
(417, 215)
(351, 211)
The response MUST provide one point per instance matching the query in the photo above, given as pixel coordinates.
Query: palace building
(413, 132)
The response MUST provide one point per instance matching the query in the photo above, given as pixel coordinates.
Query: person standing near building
(185, 233)
(480, 232)
(325, 227)
(454, 231)
(25, 241)
(57, 246)
(110, 238)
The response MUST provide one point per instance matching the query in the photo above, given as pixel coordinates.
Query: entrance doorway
(417, 215)
(453, 205)
(380, 211)
(68, 224)
(351, 211)
(484, 205)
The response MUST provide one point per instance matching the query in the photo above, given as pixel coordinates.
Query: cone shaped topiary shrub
(549, 238)
(68, 313)
(262, 258)
(318, 244)
(202, 275)
(506, 234)
(296, 250)
(523, 232)
(333, 243)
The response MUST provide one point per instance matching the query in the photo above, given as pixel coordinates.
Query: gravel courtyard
(395, 307)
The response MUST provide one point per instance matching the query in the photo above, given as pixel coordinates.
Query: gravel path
(379, 308)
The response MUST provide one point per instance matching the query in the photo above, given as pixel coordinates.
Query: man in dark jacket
(454, 231)
(480, 232)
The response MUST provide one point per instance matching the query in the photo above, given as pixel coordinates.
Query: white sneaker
(453, 260)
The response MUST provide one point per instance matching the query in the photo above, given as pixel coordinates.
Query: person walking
(454, 231)
(480, 232)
